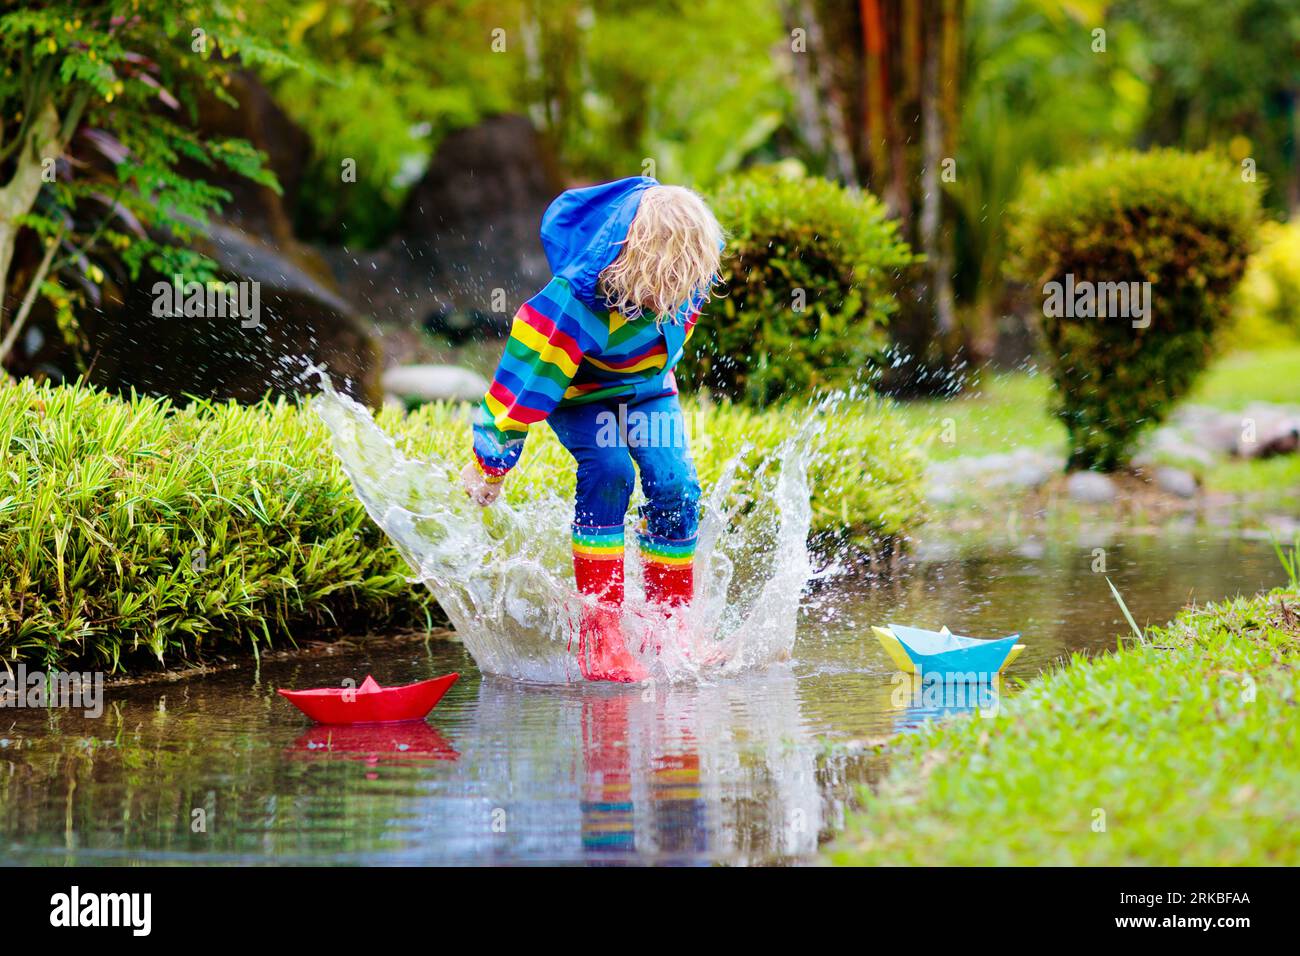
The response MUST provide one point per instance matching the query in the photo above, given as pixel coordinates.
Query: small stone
(1177, 482)
(1029, 475)
(1267, 430)
(435, 383)
(1091, 487)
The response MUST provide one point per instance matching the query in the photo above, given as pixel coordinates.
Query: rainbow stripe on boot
(598, 569)
(669, 568)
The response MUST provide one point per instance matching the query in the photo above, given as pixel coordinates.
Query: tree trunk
(841, 151)
(817, 101)
(33, 289)
(901, 60)
(1295, 155)
(18, 196)
(937, 248)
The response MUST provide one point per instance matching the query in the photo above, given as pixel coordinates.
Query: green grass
(1005, 412)
(1236, 380)
(1186, 746)
(1278, 478)
(134, 531)
(1009, 411)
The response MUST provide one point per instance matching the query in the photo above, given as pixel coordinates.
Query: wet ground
(755, 769)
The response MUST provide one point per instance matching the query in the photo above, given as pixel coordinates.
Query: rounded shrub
(1136, 257)
(808, 287)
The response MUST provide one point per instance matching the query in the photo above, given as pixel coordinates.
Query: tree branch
(20, 318)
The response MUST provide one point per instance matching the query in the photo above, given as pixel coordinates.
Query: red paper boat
(370, 703)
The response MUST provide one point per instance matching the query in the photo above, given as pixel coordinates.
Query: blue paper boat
(917, 651)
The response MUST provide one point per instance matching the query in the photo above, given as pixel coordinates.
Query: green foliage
(1268, 301)
(135, 529)
(642, 69)
(1209, 698)
(1290, 561)
(1225, 71)
(1034, 95)
(867, 476)
(393, 80)
(614, 87)
(809, 277)
(999, 414)
(118, 84)
(1182, 222)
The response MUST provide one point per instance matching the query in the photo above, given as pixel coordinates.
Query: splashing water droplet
(503, 574)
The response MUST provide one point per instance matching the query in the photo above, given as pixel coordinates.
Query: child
(593, 353)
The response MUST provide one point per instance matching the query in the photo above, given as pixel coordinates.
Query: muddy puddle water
(755, 767)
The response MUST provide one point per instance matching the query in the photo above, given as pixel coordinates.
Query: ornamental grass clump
(135, 532)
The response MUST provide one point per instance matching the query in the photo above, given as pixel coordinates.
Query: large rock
(467, 252)
(258, 119)
(302, 318)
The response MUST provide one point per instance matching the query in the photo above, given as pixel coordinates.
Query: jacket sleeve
(548, 338)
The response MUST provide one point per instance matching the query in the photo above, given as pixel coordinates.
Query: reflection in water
(759, 767)
(412, 740)
(726, 771)
(919, 699)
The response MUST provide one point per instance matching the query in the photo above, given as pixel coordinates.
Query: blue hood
(584, 229)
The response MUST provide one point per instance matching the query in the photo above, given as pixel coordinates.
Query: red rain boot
(669, 584)
(602, 653)
(672, 587)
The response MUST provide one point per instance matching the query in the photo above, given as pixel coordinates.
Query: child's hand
(483, 492)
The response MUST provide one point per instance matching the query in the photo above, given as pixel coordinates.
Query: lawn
(1183, 749)
(1005, 412)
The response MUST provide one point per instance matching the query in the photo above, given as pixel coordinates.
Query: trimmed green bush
(1182, 222)
(133, 529)
(808, 288)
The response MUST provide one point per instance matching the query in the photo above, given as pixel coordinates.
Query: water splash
(504, 574)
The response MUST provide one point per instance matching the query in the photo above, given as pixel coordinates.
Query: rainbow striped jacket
(562, 352)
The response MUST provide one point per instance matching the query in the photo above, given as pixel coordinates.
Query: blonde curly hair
(672, 254)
